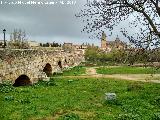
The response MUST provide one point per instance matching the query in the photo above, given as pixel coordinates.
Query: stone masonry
(31, 63)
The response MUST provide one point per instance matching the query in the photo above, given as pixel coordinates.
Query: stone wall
(14, 63)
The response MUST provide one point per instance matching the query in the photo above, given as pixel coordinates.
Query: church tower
(103, 41)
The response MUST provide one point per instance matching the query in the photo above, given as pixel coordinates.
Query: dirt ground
(91, 73)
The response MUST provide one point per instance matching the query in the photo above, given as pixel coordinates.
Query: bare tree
(142, 14)
(18, 39)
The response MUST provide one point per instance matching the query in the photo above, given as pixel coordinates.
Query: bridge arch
(60, 64)
(65, 60)
(48, 70)
(22, 80)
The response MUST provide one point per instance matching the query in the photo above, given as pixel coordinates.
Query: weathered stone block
(110, 96)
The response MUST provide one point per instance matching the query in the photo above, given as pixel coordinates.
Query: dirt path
(91, 73)
(120, 77)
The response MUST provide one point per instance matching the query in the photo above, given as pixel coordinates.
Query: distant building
(67, 46)
(71, 46)
(112, 45)
(33, 44)
(103, 41)
(77, 47)
(117, 44)
(83, 46)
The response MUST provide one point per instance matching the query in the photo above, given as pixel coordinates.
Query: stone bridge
(24, 67)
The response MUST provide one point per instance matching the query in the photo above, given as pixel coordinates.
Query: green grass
(127, 70)
(78, 70)
(75, 99)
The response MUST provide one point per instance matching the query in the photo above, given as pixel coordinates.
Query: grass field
(127, 70)
(78, 70)
(75, 99)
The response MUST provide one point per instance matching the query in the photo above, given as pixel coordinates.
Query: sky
(48, 23)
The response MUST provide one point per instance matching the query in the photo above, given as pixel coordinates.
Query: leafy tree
(91, 54)
(128, 56)
(47, 44)
(98, 56)
(54, 44)
(119, 56)
(41, 44)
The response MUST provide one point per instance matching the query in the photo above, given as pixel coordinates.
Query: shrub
(51, 82)
(134, 86)
(9, 98)
(6, 88)
(112, 102)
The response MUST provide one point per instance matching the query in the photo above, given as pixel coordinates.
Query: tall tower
(103, 41)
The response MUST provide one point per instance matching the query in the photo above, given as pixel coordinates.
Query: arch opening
(48, 70)
(60, 64)
(22, 80)
(65, 61)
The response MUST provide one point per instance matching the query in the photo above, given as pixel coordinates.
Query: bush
(112, 102)
(9, 98)
(134, 87)
(97, 56)
(51, 82)
(6, 88)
